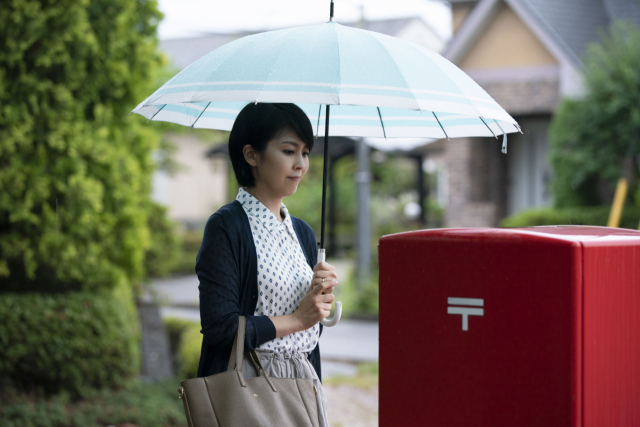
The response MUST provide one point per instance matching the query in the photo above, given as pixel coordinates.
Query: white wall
(198, 189)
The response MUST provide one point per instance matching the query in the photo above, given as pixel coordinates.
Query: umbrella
(378, 85)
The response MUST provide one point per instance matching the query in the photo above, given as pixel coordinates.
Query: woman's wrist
(286, 324)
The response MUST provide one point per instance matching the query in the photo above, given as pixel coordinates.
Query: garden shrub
(595, 215)
(190, 346)
(71, 341)
(75, 169)
(357, 301)
(134, 403)
(189, 247)
(165, 250)
(185, 342)
(590, 137)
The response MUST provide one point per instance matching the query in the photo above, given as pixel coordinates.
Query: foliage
(389, 180)
(164, 253)
(590, 137)
(593, 215)
(75, 170)
(132, 403)
(357, 300)
(185, 262)
(185, 341)
(71, 341)
(190, 346)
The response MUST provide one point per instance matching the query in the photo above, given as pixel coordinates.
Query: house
(200, 188)
(527, 55)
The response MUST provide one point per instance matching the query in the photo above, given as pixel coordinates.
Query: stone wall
(524, 97)
(477, 182)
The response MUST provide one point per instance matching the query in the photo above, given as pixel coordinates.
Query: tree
(75, 170)
(595, 139)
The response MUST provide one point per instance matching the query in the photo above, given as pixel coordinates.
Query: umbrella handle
(333, 320)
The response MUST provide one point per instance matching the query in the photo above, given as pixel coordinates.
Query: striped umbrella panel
(344, 120)
(337, 65)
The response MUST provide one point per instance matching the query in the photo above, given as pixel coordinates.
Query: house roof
(569, 24)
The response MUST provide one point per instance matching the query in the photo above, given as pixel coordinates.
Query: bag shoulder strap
(237, 351)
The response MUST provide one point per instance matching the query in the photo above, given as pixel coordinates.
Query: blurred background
(102, 214)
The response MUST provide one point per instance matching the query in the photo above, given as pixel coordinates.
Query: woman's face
(285, 158)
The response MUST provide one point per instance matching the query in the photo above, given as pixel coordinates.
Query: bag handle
(237, 353)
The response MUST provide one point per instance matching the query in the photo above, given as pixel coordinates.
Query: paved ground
(351, 406)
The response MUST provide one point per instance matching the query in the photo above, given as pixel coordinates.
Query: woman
(258, 261)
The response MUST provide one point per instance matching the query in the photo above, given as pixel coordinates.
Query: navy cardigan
(227, 267)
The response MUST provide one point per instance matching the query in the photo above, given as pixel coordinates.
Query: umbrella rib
(382, 123)
(194, 123)
(318, 125)
(499, 127)
(485, 123)
(156, 113)
(441, 127)
(517, 128)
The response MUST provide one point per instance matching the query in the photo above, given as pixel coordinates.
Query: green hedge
(595, 215)
(75, 170)
(164, 251)
(135, 403)
(185, 262)
(185, 341)
(71, 341)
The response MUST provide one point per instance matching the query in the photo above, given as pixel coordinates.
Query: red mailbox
(510, 327)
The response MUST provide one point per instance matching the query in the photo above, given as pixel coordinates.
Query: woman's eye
(288, 151)
(307, 153)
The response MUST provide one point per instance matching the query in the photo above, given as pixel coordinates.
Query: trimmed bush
(135, 403)
(190, 245)
(164, 253)
(185, 341)
(75, 169)
(72, 341)
(595, 215)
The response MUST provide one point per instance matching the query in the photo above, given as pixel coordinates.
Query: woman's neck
(272, 203)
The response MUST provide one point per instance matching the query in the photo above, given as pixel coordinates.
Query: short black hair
(256, 125)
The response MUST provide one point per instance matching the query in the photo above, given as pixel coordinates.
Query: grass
(366, 377)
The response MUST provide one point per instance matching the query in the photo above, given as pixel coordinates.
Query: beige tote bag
(228, 400)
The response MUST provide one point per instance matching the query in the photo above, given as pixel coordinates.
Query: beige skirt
(288, 365)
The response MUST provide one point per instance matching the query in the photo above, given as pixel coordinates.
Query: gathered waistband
(282, 355)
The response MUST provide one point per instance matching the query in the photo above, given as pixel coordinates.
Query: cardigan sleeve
(218, 271)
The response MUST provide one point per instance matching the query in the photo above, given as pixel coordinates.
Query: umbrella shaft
(324, 174)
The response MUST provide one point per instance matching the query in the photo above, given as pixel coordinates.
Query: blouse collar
(254, 207)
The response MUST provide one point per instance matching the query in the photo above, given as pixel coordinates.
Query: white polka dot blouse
(283, 273)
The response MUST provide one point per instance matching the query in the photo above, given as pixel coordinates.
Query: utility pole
(363, 178)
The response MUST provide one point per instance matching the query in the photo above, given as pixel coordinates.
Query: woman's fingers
(323, 267)
(320, 287)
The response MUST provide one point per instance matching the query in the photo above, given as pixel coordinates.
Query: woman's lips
(296, 178)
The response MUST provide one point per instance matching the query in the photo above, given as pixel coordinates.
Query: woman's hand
(316, 304)
(326, 271)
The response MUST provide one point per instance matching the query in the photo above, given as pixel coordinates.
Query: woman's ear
(250, 155)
